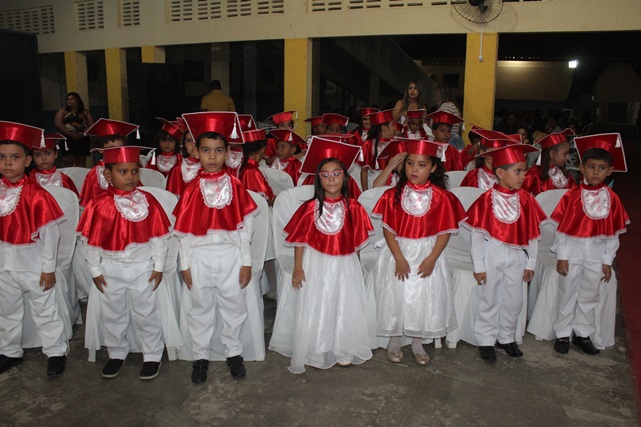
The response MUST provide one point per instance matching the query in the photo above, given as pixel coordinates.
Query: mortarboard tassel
(234, 133)
(538, 160)
(137, 133)
(153, 158)
(42, 141)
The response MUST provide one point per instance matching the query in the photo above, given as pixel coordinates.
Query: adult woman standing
(72, 120)
(411, 101)
(443, 98)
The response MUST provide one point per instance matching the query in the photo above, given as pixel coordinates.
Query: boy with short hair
(504, 223)
(45, 154)
(29, 239)
(125, 233)
(590, 218)
(289, 143)
(442, 123)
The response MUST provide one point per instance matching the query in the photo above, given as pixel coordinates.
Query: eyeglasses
(337, 173)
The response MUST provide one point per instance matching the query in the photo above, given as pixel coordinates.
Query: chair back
(278, 180)
(548, 201)
(459, 247)
(285, 206)
(369, 253)
(76, 174)
(168, 202)
(455, 178)
(152, 178)
(68, 202)
(260, 234)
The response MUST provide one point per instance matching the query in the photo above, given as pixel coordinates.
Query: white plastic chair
(278, 180)
(152, 178)
(76, 174)
(355, 172)
(285, 206)
(167, 296)
(252, 332)
(66, 297)
(455, 178)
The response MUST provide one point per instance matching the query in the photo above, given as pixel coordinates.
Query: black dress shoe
(488, 353)
(56, 365)
(199, 371)
(562, 345)
(112, 368)
(585, 344)
(150, 370)
(512, 349)
(236, 366)
(7, 362)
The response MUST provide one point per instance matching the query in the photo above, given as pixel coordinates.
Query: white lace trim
(596, 203)
(189, 170)
(394, 179)
(133, 207)
(217, 192)
(49, 178)
(333, 217)
(9, 198)
(165, 163)
(416, 202)
(486, 180)
(234, 159)
(278, 164)
(558, 178)
(102, 181)
(506, 207)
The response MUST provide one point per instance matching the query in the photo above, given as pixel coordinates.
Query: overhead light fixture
(573, 63)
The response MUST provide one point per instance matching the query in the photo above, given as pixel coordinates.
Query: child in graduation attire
(551, 174)
(482, 175)
(380, 135)
(125, 233)
(282, 121)
(327, 232)
(249, 173)
(590, 218)
(504, 223)
(413, 128)
(179, 177)
(110, 133)
(214, 223)
(442, 123)
(236, 154)
(289, 143)
(44, 156)
(167, 147)
(28, 248)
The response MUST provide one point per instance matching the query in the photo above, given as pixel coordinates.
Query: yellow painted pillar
(153, 54)
(298, 81)
(480, 81)
(116, 62)
(76, 75)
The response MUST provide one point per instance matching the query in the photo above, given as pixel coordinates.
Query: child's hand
(562, 267)
(528, 275)
(481, 278)
(607, 273)
(427, 267)
(245, 276)
(186, 274)
(396, 160)
(100, 283)
(157, 276)
(402, 269)
(298, 277)
(47, 280)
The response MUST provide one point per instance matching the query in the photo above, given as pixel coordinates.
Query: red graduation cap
(288, 136)
(398, 126)
(225, 123)
(106, 127)
(509, 154)
(26, 135)
(493, 138)
(444, 117)
(396, 146)
(321, 148)
(364, 111)
(331, 118)
(610, 142)
(172, 128)
(380, 117)
(124, 154)
(555, 138)
(349, 138)
(285, 116)
(182, 124)
(246, 122)
(415, 114)
(50, 142)
(424, 147)
(315, 121)
(254, 135)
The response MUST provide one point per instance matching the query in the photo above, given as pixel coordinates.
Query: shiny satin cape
(443, 214)
(253, 179)
(302, 229)
(573, 221)
(519, 233)
(292, 169)
(453, 160)
(352, 186)
(103, 226)
(175, 181)
(155, 167)
(91, 188)
(194, 217)
(65, 180)
(472, 178)
(270, 149)
(534, 185)
(34, 209)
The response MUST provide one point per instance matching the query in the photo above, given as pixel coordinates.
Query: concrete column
(153, 54)
(298, 81)
(480, 80)
(76, 75)
(220, 64)
(117, 91)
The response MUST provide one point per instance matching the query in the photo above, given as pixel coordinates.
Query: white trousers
(215, 283)
(501, 298)
(129, 297)
(578, 299)
(44, 310)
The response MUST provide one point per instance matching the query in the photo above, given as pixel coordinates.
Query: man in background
(216, 100)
